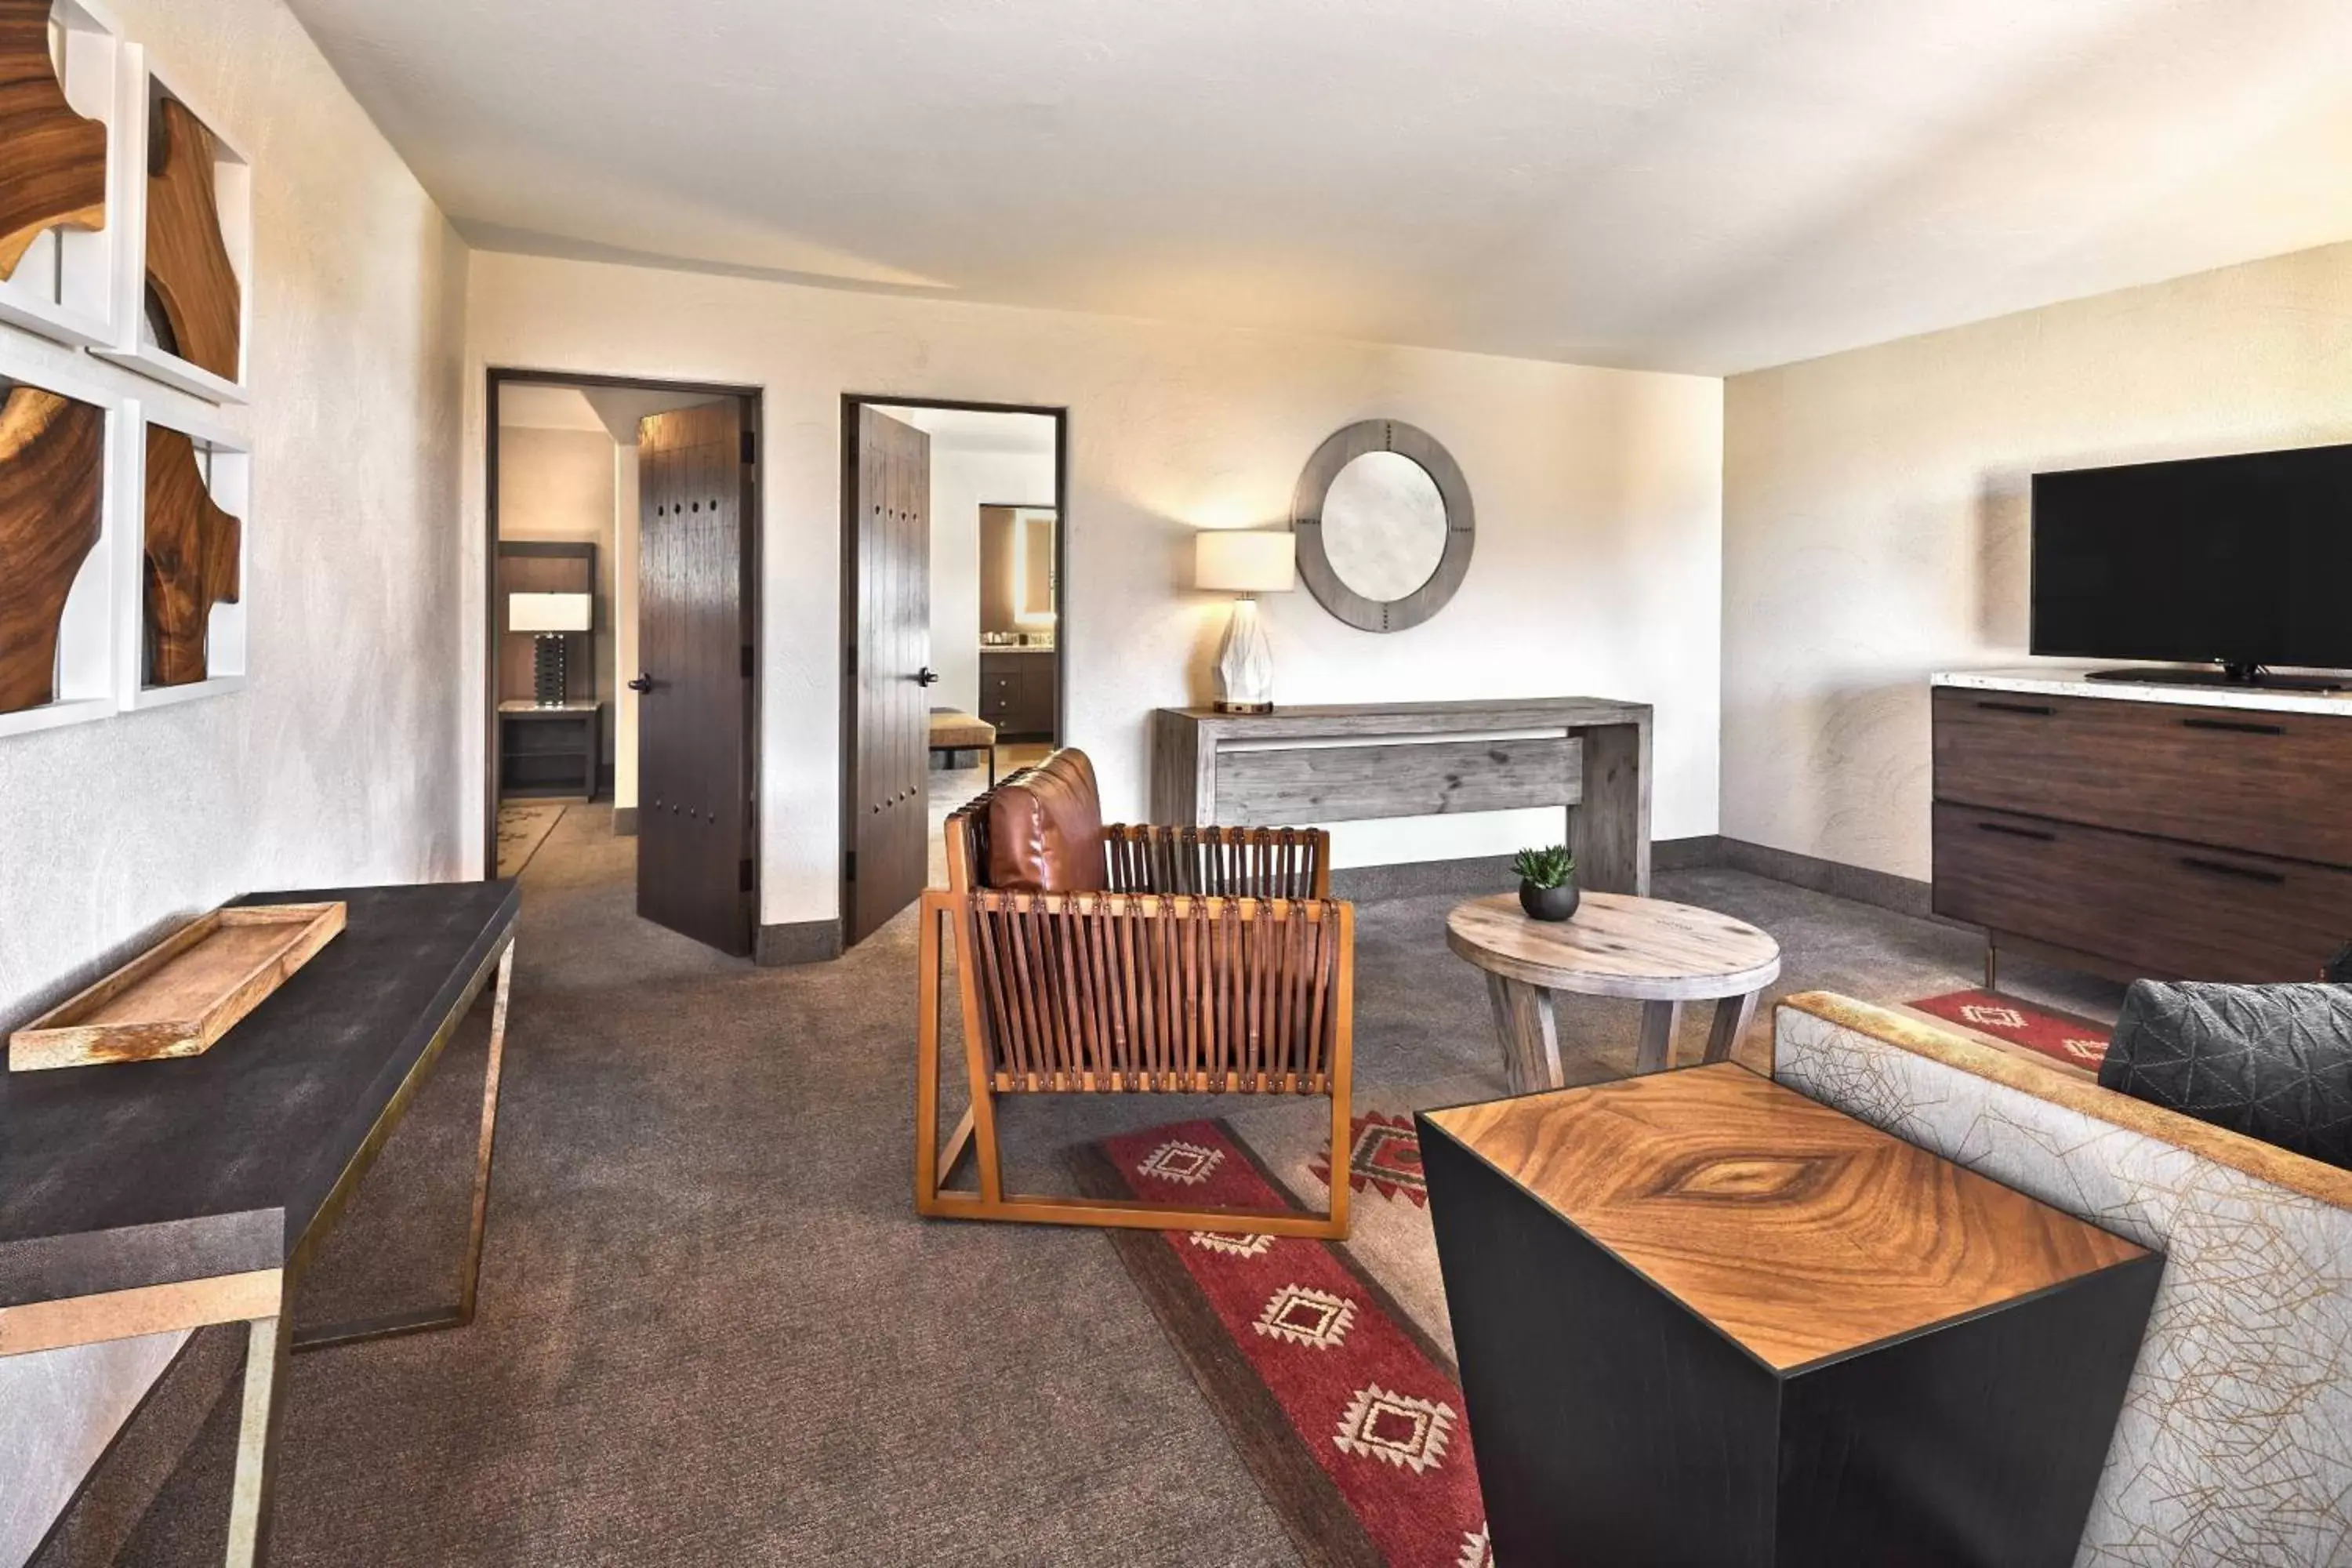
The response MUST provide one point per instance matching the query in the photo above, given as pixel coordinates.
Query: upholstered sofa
(2235, 1443)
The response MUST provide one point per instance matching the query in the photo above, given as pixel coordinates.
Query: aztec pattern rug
(1333, 1375)
(2062, 1036)
(523, 826)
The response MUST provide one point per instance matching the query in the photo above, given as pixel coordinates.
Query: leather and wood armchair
(1128, 959)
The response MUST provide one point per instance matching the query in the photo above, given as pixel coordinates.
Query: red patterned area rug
(2062, 1036)
(1343, 1406)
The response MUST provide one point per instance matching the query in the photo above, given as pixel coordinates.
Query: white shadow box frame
(88, 640)
(135, 344)
(67, 285)
(225, 460)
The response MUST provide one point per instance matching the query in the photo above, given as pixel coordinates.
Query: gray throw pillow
(2273, 1062)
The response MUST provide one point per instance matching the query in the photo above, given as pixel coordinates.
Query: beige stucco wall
(1598, 495)
(338, 762)
(1876, 517)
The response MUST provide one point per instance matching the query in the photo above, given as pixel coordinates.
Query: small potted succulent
(1547, 882)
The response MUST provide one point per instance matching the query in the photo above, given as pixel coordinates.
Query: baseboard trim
(624, 822)
(1488, 873)
(1693, 854)
(797, 942)
(1881, 889)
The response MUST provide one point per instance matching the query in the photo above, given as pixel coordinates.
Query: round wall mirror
(1384, 527)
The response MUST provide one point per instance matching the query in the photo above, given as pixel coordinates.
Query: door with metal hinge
(695, 873)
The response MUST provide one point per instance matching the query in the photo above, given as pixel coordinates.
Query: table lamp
(1245, 563)
(550, 616)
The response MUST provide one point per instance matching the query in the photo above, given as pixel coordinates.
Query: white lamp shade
(548, 612)
(1242, 560)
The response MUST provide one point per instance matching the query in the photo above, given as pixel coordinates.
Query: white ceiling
(526, 405)
(1691, 184)
(606, 410)
(978, 430)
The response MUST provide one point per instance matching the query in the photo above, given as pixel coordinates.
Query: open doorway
(623, 634)
(955, 614)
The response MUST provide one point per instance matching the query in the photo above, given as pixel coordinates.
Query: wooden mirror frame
(1344, 447)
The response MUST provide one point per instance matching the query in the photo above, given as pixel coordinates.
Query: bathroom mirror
(1384, 525)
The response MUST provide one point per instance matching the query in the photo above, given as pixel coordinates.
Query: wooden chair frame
(1277, 971)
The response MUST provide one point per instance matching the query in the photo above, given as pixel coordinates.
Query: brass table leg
(257, 1438)
(460, 1313)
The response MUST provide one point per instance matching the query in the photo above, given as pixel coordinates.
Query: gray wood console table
(138, 1198)
(1344, 762)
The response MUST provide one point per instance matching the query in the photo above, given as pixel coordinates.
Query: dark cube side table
(1703, 1320)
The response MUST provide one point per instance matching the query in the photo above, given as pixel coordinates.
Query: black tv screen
(2238, 561)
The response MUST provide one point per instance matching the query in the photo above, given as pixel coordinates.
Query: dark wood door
(888, 831)
(694, 704)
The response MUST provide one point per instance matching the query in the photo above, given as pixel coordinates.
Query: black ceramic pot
(1548, 903)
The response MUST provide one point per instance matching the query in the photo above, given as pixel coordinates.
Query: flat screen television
(2238, 562)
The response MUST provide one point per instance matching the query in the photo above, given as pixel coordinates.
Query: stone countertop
(2065, 679)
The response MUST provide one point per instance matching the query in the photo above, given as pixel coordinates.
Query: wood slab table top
(1617, 945)
(130, 1174)
(1798, 1232)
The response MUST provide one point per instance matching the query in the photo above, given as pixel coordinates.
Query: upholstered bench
(954, 730)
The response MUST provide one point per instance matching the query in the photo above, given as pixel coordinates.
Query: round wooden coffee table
(1658, 953)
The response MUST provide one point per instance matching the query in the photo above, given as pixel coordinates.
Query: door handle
(2223, 869)
(642, 682)
(927, 675)
(2039, 834)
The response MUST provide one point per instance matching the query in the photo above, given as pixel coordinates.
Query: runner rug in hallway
(1336, 1391)
(523, 826)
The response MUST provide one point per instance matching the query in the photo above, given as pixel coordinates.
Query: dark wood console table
(1703, 1318)
(1343, 763)
(2175, 832)
(140, 1198)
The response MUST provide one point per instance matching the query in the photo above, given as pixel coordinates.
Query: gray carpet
(712, 1331)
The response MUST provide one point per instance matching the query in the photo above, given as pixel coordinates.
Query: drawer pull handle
(2039, 710)
(2039, 834)
(2236, 726)
(2223, 869)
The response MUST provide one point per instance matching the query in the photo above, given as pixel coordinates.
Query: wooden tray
(180, 995)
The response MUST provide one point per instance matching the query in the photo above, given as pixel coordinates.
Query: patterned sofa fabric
(2235, 1443)
(2273, 1062)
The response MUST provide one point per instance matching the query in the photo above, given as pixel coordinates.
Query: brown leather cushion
(1045, 829)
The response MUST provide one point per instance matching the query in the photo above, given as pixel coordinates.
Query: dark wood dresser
(1019, 691)
(2142, 831)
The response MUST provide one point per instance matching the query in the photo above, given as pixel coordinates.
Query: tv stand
(2253, 676)
(2192, 832)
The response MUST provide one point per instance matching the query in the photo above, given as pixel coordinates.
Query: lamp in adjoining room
(1246, 564)
(551, 617)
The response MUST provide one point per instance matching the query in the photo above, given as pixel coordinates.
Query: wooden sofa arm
(1224, 862)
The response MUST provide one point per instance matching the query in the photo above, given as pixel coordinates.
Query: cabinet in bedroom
(1018, 692)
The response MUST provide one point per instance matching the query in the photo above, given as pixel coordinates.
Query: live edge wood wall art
(52, 160)
(52, 492)
(192, 288)
(192, 554)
